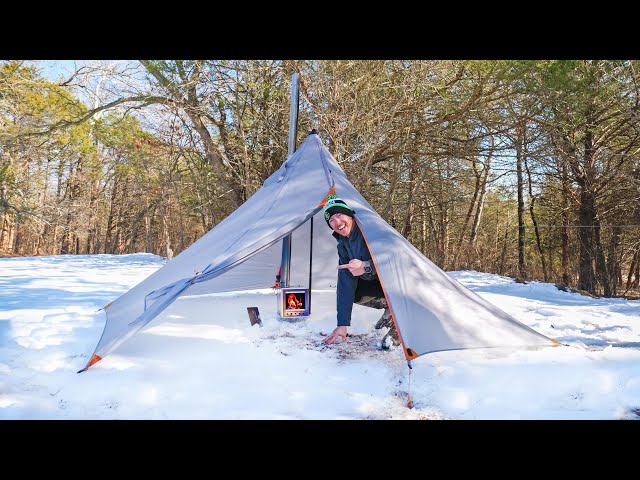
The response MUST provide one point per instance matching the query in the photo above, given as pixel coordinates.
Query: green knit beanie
(336, 205)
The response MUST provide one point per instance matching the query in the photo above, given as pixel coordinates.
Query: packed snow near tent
(202, 359)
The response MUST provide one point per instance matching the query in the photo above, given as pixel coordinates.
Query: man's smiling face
(341, 223)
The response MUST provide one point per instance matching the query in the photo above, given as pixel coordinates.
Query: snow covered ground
(202, 359)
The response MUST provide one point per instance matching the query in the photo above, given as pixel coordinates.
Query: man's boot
(391, 338)
(385, 320)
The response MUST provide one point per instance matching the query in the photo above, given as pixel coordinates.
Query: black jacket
(350, 247)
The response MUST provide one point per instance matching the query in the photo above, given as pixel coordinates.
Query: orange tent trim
(324, 200)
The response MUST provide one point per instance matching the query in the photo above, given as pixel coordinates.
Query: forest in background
(529, 169)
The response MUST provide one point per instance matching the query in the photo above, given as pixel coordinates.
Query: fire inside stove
(294, 302)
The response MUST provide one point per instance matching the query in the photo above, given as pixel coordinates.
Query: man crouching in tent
(357, 277)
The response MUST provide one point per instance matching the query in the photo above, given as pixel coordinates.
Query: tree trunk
(98, 238)
(414, 185)
(439, 231)
(564, 231)
(586, 214)
(475, 204)
(503, 253)
(16, 235)
(148, 244)
(65, 244)
(109, 233)
(92, 219)
(4, 233)
(444, 238)
(479, 207)
(458, 248)
(132, 238)
(633, 270)
(164, 218)
(167, 239)
(532, 213)
(602, 270)
(612, 260)
(522, 270)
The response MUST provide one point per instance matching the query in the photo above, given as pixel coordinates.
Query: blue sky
(55, 70)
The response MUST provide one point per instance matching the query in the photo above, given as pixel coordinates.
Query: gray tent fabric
(432, 311)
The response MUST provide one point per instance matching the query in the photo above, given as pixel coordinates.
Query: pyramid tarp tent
(432, 311)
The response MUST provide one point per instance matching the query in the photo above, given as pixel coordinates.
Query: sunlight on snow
(209, 332)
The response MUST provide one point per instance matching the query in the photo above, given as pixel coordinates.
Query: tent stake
(409, 402)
